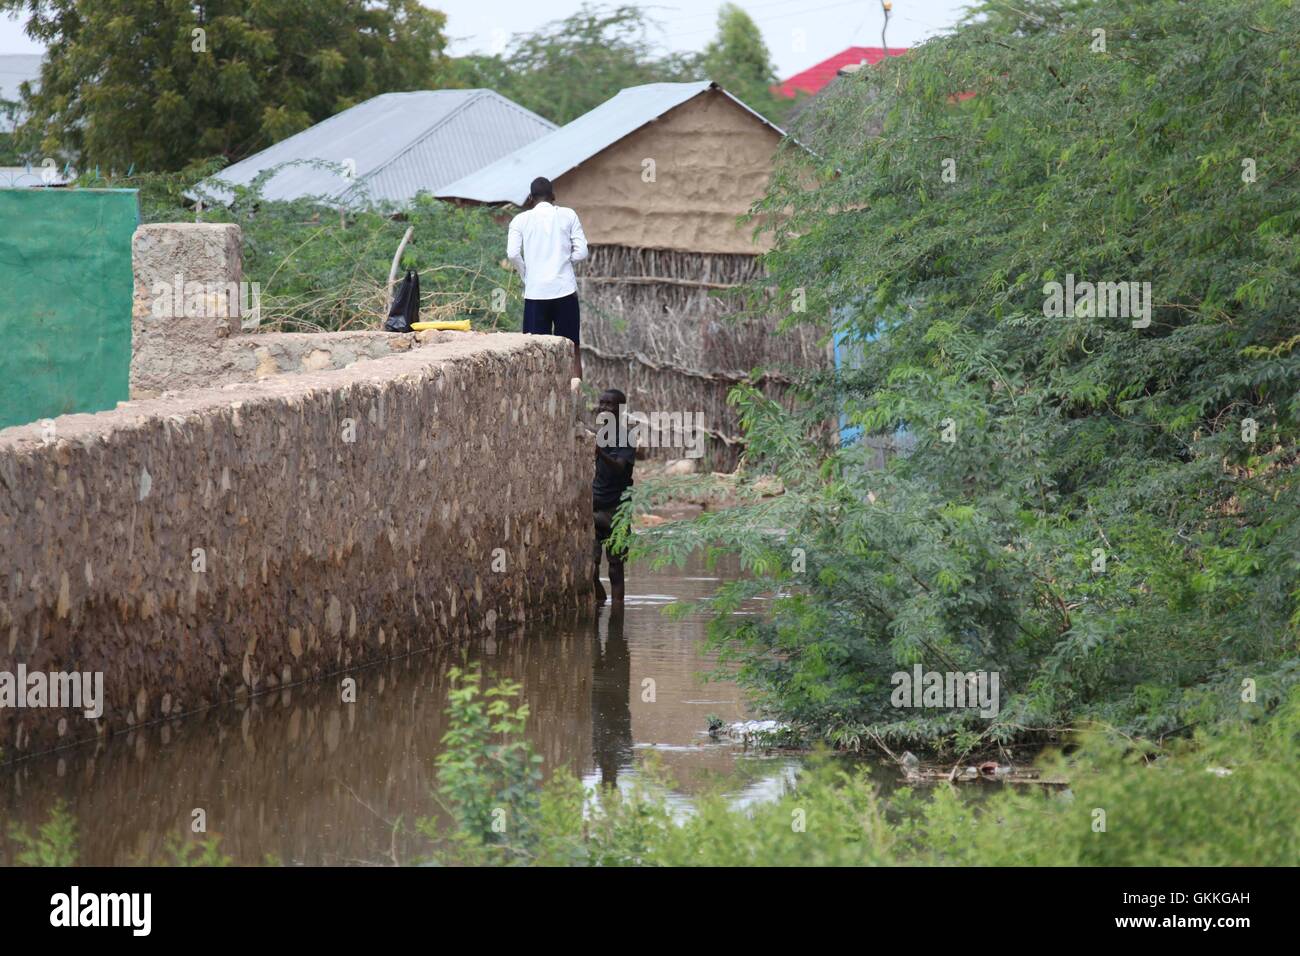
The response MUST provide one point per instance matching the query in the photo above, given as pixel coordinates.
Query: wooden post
(397, 258)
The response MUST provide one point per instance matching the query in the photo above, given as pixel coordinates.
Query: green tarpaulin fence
(65, 300)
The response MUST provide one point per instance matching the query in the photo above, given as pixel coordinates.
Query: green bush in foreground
(53, 844)
(1219, 800)
(1223, 799)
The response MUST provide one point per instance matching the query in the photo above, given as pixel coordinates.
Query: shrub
(1040, 443)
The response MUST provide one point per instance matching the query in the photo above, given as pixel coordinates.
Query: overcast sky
(798, 32)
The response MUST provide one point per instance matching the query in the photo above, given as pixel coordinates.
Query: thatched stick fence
(655, 326)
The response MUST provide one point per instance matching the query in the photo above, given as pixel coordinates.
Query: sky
(799, 33)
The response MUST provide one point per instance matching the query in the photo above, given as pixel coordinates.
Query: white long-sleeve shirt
(543, 245)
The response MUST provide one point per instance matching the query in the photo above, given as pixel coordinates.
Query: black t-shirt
(609, 484)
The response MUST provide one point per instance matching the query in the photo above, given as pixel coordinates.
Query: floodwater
(299, 777)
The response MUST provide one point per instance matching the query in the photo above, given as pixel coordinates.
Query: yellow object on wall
(462, 325)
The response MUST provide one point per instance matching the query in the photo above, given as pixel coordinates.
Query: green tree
(1103, 508)
(10, 153)
(160, 85)
(738, 59)
(1026, 16)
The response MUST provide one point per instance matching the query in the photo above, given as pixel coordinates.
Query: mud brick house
(659, 175)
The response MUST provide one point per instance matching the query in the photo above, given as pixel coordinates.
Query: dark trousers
(604, 516)
(553, 316)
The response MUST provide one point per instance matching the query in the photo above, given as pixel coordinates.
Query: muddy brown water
(299, 777)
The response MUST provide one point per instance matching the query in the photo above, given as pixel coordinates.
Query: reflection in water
(611, 714)
(301, 778)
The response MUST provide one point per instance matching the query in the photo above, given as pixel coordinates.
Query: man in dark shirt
(614, 463)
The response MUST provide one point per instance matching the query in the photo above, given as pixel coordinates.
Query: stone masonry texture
(184, 267)
(219, 542)
(167, 258)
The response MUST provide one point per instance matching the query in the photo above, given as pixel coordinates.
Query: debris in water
(756, 731)
(989, 770)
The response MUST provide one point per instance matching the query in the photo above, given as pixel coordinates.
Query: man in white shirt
(543, 245)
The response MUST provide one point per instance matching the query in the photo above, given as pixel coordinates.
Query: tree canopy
(1101, 504)
(571, 66)
(160, 85)
(738, 59)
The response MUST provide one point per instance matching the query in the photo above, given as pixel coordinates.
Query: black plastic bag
(405, 309)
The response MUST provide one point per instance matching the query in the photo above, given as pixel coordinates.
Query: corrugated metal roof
(396, 144)
(552, 156)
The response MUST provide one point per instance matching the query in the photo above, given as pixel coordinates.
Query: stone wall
(187, 318)
(257, 356)
(174, 350)
(218, 542)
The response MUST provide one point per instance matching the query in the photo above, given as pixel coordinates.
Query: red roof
(814, 78)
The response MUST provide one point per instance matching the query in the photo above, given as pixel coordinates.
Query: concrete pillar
(186, 304)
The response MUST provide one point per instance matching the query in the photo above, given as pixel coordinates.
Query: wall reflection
(299, 777)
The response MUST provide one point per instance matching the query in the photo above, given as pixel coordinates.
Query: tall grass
(322, 268)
